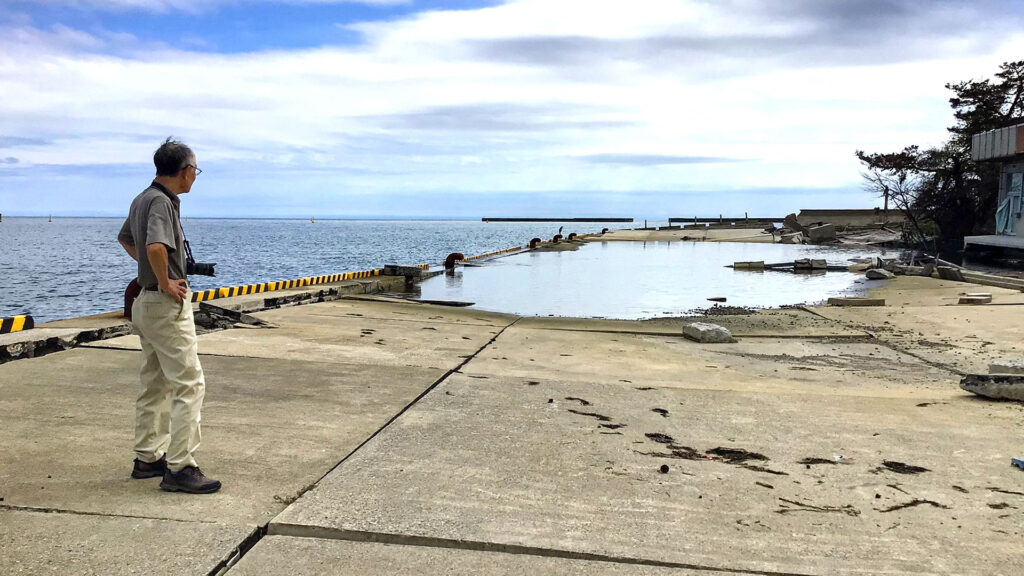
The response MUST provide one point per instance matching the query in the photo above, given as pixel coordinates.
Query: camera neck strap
(188, 249)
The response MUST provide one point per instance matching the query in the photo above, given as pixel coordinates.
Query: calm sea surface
(644, 279)
(74, 266)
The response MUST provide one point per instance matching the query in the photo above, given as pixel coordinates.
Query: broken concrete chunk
(821, 233)
(996, 386)
(793, 224)
(879, 274)
(1006, 367)
(707, 333)
(949, 273)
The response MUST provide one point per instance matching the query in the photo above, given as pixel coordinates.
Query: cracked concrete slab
(850, 368)
(271, 428)
(788, 322)
(576, 467)
(40, 543)
(353, 331)
(416, 335)
(964, 338)
(287, 556)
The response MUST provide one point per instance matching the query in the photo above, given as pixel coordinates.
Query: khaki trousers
(172, 384)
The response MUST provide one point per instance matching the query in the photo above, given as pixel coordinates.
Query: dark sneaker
(189, 479)
(149, 469)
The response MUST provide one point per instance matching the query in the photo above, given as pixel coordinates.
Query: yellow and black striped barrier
(16, 324)
(230, 291)
(498, 253)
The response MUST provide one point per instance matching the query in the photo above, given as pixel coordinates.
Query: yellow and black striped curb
(16, 324)
(230, 291)
(498, 253)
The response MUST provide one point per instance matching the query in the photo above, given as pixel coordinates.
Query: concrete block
(856, 301)
(810, 264)
(995, 386)
(821, 233)
(986, 299)
(1006, 367)
(707, 333)
(879, 274)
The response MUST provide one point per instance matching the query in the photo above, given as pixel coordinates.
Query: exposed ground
(367, 436)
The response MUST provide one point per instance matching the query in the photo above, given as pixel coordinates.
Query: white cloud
(433, 103)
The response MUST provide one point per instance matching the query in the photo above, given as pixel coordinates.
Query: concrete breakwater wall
(21, 338)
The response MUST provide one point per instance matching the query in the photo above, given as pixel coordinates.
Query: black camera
(200, 268)
(192, 267)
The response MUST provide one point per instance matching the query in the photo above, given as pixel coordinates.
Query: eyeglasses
(197, 169)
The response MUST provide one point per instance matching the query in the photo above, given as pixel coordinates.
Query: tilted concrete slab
(354, 331)
(288, 556)
(569, 467)
(104, 320)
(37, 334)
(789, 322)
(41, 543)
(419, 336)
(964, 338)
(784, 365)
(270, 429)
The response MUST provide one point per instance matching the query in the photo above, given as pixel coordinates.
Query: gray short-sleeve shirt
(154, 218)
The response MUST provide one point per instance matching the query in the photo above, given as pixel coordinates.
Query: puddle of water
(631, 280)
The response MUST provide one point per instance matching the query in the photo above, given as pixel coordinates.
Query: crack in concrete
(319, 532)
(242, 549)
(233, 557)
(406, 320)
(15, 508)
(825, 337)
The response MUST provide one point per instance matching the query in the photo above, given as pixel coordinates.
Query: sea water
(74, 266)
(645, 279)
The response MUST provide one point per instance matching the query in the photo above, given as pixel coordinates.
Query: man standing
(172, 385)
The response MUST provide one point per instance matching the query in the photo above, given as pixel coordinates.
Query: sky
(469, 109)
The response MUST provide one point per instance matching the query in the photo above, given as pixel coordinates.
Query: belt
(152, 288)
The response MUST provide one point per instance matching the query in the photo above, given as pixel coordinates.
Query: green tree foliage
(943, 186)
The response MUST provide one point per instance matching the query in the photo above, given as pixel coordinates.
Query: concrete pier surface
(368, 435)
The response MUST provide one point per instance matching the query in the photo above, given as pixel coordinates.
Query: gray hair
(171, 157)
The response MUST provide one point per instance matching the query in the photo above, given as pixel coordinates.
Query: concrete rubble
(369, 435)
(879, 274)
(995, 386)
(707, 333)
(1006, 367)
